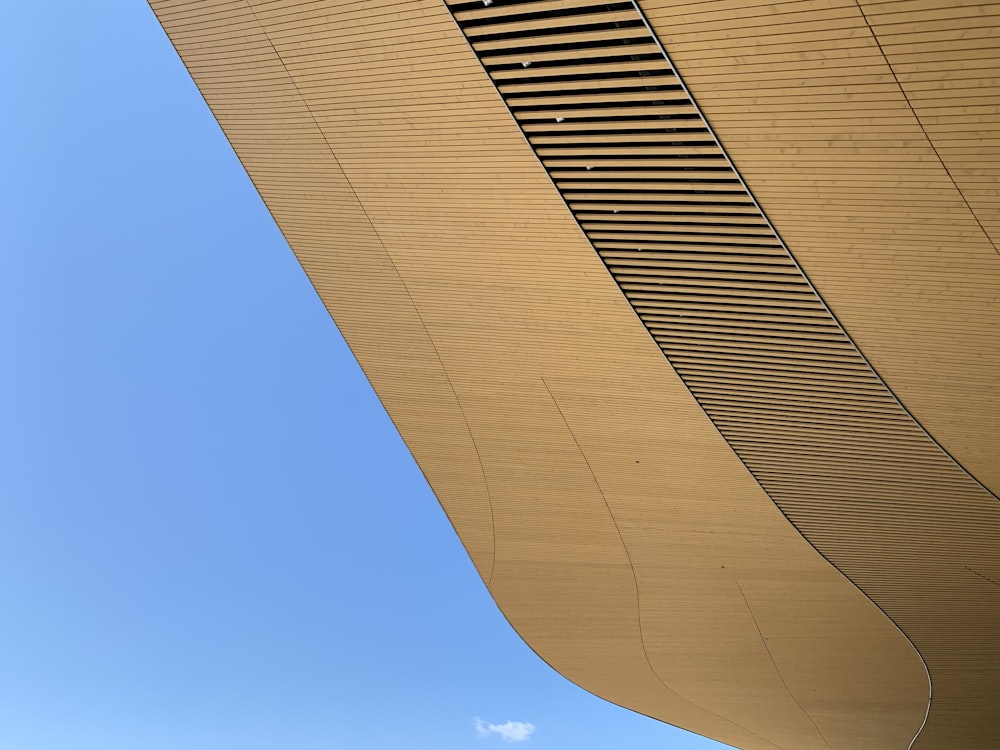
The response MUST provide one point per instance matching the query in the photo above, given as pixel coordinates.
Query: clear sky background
(211, 536)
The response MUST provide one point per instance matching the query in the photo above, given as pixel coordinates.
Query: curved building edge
(538, 409)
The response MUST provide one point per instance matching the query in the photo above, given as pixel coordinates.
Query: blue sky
(211, 536)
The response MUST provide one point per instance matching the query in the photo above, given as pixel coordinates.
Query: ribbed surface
(499, 346)
(867, 138)
(715, 287)
(942, 55)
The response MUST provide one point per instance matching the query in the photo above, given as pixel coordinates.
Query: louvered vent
(642, 173)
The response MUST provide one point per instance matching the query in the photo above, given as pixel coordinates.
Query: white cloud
(511, 731)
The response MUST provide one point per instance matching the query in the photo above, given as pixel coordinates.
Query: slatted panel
(946, 59)
(402, 216)
(718, 291)
(805, 126)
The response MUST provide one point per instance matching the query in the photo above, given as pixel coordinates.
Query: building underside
(688, 313)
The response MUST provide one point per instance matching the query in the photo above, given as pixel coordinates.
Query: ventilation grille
(658, 198)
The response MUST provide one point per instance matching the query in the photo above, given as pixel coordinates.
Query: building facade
(687, 311)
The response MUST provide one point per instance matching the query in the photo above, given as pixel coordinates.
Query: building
(688, 313)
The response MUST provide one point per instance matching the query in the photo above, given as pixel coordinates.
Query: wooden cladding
(661, 203)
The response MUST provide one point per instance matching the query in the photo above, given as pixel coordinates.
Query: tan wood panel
(529, 392)
(612, 50)
(478, 13)
(606, 67)
(538, 24)
(938, 36)
(666, 79)
(922, 305)
(872, 308)
(603, 35)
